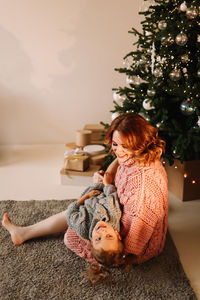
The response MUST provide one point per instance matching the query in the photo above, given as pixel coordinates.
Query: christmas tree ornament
(147, 104)
(114, 115)
(183, 6)
(184, 58)
(167, 40)
(175, 75)
(158, 73)
(175, 153)
(148, 33)
(191, 13)
(151, 92)
(162, 25)
(116, 96)
(136, 80)
(187, 108)
(181, 39)
(129, 80)
(198, 122)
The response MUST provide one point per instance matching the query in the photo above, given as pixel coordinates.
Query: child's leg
(52, 225)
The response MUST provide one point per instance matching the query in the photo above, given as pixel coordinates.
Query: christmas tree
(163, 76)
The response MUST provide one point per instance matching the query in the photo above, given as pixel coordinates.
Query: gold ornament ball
(181, 39)
(184, 58)
(158, 73)
(162, 25)
(175, 75)
(151, 92)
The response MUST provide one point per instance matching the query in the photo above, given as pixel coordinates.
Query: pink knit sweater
(143, 195)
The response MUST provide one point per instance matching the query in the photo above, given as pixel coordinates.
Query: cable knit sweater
(143, 194)
(104, 207)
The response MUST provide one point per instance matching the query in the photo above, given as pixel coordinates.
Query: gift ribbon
(73, 156)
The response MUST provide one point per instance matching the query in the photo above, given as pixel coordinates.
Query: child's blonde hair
(97, 272)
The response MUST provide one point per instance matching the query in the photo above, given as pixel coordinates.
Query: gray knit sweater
(82, 218)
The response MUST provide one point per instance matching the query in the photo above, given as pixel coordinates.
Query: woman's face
(119, 147)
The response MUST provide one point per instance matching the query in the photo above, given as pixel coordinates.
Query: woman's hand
(98, 177)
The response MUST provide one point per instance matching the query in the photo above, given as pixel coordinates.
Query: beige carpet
(46, 269)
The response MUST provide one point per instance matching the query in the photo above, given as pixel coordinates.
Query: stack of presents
(84, 156)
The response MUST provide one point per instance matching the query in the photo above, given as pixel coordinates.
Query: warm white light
(185, 175)
(193, 181)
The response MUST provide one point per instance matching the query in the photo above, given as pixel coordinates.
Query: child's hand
(88, 195)
(98, 176)
(94, 193)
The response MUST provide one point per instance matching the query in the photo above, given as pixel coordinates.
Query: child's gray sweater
(82, 218)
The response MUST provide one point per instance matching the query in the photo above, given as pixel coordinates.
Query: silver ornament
(191, 13)
(187, 108)
(129, 80)
(198, 122)
(147, 104)
(175, 75)
(148, 33)
(183, 6)
(184, 58)
(181, 39)
(162, 25)
(151, 92)
(114, 115)
(116, 96)
(158, 72)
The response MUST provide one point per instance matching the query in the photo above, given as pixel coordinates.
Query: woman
(141, 184)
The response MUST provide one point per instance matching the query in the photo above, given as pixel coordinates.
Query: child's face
(104, 236)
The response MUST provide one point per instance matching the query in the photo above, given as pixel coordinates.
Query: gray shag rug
(46, 269)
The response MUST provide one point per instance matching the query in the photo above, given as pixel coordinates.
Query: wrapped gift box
(96, 130)
(93, 160)
(76, 162)
(184, 179)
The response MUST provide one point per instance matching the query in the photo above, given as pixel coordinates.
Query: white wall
(57, 63)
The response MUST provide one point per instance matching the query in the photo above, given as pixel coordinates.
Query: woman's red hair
(140, 137)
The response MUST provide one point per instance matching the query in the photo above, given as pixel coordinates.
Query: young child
(96, 217)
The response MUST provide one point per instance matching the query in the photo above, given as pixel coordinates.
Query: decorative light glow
(185, 175)
(193, 181)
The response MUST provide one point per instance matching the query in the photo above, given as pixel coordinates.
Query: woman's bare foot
(15, 231)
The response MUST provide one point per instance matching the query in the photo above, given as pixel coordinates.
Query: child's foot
(15, 231)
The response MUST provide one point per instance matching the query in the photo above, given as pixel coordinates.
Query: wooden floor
(33, 172)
